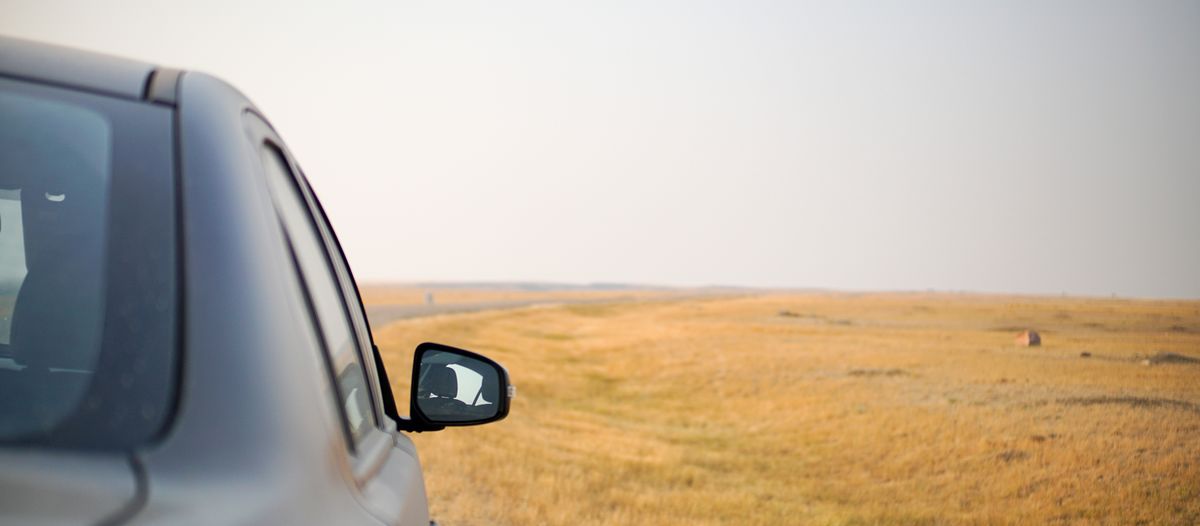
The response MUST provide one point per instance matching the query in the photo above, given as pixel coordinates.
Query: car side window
(324, 293)
(358, 314)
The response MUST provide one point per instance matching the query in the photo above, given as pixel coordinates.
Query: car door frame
(368, 460)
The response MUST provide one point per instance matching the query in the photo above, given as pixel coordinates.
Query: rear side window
(53, 150)
(325, 294)
(87, 268)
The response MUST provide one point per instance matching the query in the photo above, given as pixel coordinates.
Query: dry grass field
(824, 409)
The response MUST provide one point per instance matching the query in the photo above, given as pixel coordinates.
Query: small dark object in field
(1168, 358)
(1085, 354)
(877, 372)
(788, 314)
(1029, 339)
(1013, 454)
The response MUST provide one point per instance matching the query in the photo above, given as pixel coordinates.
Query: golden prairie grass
(845, 409)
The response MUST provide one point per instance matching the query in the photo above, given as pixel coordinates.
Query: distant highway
(380, 315)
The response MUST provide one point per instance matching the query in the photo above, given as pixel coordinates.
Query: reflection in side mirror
(454, 387)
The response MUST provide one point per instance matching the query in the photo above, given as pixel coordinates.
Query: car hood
(48, 487)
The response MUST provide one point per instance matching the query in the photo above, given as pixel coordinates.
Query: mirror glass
(456, 388)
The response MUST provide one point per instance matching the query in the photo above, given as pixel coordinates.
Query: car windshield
(87, 268)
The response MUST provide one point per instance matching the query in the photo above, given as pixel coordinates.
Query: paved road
(381, 315)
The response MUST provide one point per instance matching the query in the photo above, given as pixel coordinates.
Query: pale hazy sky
(1023, 146)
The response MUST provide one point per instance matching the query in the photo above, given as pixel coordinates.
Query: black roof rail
(161, 86)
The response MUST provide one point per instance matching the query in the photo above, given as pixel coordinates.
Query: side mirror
(456, 387)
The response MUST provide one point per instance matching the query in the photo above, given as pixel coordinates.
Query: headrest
(442, 381)
(58, 318)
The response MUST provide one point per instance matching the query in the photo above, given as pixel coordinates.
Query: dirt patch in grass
(878, 372)
(1141, 402)
(1167, 358)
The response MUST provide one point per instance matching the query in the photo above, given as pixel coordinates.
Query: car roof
(72, 68)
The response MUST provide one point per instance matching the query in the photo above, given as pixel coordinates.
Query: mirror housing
(456, 387)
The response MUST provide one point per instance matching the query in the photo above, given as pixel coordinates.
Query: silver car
(181, 338)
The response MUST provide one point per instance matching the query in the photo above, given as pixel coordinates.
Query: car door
(383, 467)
